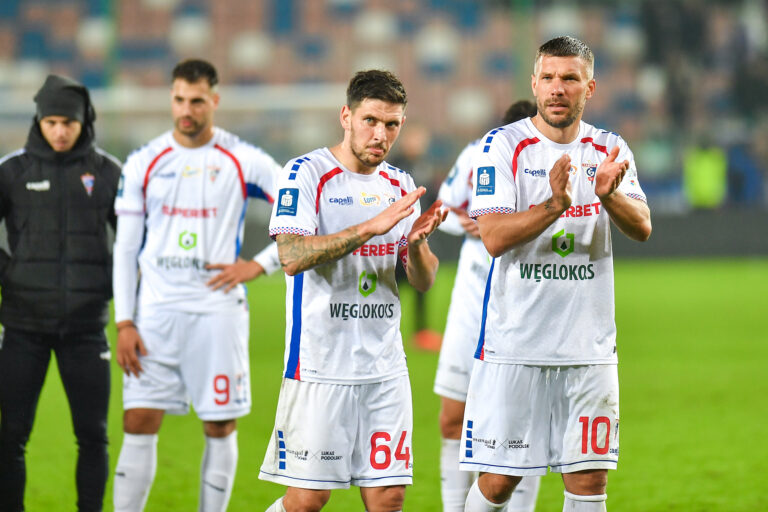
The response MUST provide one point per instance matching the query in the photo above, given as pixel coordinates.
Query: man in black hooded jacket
(56, 197)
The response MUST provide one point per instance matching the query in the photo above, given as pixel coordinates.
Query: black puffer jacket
(56, 207)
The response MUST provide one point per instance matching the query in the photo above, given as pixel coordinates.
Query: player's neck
(344, 155)
(195, 141)
(564, 135)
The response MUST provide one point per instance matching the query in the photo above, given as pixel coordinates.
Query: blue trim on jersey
(238, 236)
(486, 297)
(293, 353)
(396, 169)
(489, 139)
(295, 167)
(255, 191)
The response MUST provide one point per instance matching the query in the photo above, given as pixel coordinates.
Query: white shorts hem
(303, 483)
(169, 407)
(223, 415)
(383, 481)
(450, 393)
(503, 470)
(573, 467)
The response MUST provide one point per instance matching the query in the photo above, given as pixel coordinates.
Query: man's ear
(591, 88)
(345, 117)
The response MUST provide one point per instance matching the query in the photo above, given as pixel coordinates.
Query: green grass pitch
(693, 349)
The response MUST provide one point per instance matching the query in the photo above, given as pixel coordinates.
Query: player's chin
(374, 160)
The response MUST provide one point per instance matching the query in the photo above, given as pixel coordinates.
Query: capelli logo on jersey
(536, 173)
(342, 201)
(369, 199)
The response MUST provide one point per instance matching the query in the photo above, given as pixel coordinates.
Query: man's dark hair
(519, 110)
(375, 84)
(194, 70)
(567, 46)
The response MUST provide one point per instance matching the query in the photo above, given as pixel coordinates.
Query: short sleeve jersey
(456, 192)
(549, 301)
(342, 317)
(193, 201)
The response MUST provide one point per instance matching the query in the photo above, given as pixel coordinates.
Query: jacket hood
(62, 96)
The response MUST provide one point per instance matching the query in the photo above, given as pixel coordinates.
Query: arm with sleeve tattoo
(299, 253)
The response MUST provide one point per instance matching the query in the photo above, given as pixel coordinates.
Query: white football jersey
(474, 261)
(343, 317)
(193, 201)
(549, 301)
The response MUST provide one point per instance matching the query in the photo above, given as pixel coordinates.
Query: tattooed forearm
(299, 253)
(548, 204)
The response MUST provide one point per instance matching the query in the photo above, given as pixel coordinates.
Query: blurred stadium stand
(672, 76)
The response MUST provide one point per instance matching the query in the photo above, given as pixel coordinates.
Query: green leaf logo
(187, 240)
(366, 283)
(562, 243)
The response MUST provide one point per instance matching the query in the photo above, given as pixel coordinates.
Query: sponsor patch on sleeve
(287, 201)
(486, 181)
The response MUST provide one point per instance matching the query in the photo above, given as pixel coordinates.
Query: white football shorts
(331, 436)
(462, 330)
(202, 358)
(520, 420)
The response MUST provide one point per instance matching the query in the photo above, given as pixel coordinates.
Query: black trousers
(84, 369)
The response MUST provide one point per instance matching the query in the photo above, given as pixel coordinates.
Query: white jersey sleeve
(630, 185)
(268, 258)
(125, 273)
(129, 207)
(455, 191)
(493, 184)
(295, 210)
(260, 172)
(130, 190)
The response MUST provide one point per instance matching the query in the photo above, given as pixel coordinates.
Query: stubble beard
(193, 131)
(574, 114)
(369, 160)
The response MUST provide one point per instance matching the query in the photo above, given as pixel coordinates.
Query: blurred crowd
(681, 80)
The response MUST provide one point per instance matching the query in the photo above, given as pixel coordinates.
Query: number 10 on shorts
(599, 430)
(381, 455)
